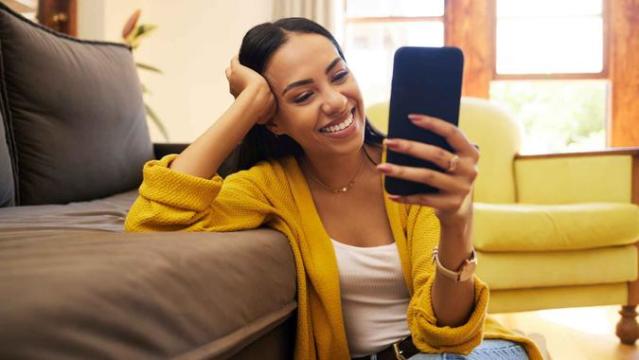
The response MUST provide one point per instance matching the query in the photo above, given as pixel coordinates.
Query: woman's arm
(452, 301)
(180, 192)
(254, 103)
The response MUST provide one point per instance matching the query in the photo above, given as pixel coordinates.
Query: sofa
(72, 283)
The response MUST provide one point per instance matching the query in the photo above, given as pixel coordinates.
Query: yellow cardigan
(275, 194)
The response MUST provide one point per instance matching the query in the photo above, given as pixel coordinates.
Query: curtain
(328, 13)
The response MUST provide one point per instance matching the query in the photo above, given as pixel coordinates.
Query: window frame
(471, 25)
(603, 74)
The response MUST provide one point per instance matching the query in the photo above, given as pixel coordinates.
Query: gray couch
(72, 283)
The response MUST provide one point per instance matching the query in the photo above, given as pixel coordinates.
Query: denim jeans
(487, 350)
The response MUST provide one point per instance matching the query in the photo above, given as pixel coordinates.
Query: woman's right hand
(241, 78)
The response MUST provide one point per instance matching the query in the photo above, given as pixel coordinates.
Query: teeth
(341, 126)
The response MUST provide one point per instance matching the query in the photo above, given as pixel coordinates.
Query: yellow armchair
(551, 231)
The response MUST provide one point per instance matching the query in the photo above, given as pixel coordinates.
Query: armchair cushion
(525, 227)
(558, 268)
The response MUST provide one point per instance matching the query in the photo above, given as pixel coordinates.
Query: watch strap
(464, 272)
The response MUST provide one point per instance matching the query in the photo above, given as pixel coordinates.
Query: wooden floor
(575, 334)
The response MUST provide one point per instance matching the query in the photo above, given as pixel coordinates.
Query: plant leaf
(130, 24)
(156, 120)
(148, 67)
(143, 30)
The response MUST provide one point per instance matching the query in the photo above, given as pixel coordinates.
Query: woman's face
(319, 102)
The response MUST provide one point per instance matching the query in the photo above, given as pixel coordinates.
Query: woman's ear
(272, 125)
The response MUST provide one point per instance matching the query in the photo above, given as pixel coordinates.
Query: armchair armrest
(610, 175)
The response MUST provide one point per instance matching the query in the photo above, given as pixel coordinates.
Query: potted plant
(132, 33)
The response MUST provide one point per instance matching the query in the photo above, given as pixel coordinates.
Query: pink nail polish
(385, 168)
(391, 143)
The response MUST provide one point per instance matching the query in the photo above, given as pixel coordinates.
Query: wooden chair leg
(627, 327)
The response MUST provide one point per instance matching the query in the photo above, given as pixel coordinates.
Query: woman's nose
(334, 102)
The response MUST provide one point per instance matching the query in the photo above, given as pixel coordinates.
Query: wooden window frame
(393, 19)
(471, 25)
(603, 74)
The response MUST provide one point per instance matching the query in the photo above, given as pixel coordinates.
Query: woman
(313, 171)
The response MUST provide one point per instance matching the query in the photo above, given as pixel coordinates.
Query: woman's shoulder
(268, 170)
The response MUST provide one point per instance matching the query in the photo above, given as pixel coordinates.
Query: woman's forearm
(205, 155)
(453, 302)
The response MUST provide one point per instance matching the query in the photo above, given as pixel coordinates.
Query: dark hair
(257, 48)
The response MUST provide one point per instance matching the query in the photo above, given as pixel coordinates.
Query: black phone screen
(425, 81)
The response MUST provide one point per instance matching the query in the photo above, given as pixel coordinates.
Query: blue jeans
(487, 350)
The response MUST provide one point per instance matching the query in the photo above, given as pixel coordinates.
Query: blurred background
(566, 69)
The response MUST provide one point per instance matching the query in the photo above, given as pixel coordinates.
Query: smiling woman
(297, 40)
(377, 276)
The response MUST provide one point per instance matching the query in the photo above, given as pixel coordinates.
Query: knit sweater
(275, 194)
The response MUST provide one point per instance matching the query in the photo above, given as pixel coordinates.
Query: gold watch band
(465, 271)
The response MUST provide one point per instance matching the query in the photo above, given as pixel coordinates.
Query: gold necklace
(341, 189)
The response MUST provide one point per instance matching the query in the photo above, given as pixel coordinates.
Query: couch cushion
(7, 186)
(79, 294)
(106, 214)
(558, 268)
(524, 227)
(75, 111)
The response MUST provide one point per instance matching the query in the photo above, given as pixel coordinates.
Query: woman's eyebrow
(309, 81)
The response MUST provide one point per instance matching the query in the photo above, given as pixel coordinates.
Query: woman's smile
(342, 128)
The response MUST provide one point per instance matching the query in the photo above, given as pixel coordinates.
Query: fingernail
(414, 117)
(385, 168)
(391, 143)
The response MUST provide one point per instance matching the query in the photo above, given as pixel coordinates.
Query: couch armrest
(610, 175)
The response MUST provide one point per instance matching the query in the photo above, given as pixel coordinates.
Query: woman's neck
(337, 171)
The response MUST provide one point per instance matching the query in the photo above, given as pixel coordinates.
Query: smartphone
(426, 80)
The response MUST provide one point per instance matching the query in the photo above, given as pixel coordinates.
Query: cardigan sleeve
(423, 232)
(172, 201)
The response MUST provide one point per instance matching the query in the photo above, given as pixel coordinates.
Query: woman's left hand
(453, 203)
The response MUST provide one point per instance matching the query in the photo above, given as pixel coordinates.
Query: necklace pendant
(344, 189)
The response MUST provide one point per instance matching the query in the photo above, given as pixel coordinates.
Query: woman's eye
(340, 75)
(303, 97)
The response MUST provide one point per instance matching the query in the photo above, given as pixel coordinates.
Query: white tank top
(374, 296)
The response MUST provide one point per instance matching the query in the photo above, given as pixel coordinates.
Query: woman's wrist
(455, 245)
(259, 98)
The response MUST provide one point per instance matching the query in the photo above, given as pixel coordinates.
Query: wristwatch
(464, 272)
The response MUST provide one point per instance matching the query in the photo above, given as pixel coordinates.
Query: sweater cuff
(430, 338)
(176, 189)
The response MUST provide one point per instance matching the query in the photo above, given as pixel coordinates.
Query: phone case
(426, 80)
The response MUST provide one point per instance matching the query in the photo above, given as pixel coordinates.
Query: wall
(192, 45)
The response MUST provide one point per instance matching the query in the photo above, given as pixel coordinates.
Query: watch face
(467, 270)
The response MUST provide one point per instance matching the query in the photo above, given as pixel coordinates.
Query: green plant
(132, 33)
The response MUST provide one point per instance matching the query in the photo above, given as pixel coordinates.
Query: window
(550, 72)
(376, 28)
(548, 62)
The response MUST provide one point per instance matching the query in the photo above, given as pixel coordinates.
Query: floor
(575, 334)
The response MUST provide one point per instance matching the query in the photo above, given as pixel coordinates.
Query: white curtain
(328, 13)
